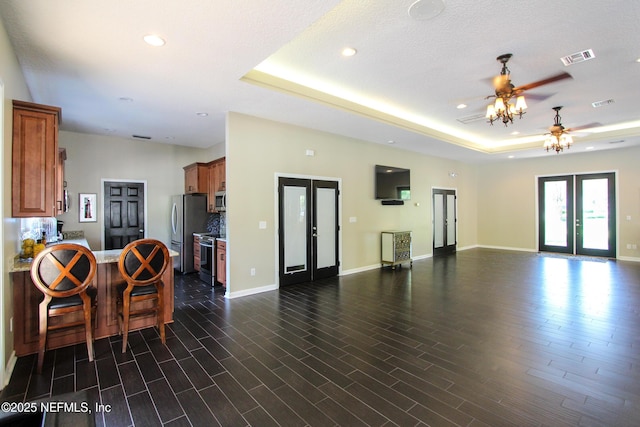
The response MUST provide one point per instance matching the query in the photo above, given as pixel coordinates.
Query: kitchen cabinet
(396, 248)
(195, 178)
(35, 159)
(217, 181)
(221, 262)
(196, 252)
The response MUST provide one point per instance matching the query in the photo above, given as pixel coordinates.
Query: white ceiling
(281, 60)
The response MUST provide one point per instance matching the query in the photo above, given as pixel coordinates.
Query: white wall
(14, 87)
(507, 214)
(92, 158)
(259, 149)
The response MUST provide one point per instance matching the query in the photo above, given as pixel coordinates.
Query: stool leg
(88, 326)
(160, 315)
(126, 300)
(43, 315)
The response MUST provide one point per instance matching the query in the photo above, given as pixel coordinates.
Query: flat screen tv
(392, 183)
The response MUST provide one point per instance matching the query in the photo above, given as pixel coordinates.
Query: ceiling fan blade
(583, 127)
(546, 81)
(538, 96)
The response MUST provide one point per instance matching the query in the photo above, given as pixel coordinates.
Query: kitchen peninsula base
(26, 298)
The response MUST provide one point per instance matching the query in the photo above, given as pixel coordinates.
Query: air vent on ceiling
(602, 103)
(620, 141)
(585, 55)
(141, 136)
(470, 119)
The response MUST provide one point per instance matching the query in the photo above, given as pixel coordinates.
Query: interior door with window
(444, 221)
(308, 230)
(577, 214)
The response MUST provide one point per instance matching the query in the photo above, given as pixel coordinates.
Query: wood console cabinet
(217, 181)
(35, 160)
(396, 248)
(221, 262)
(196, 178)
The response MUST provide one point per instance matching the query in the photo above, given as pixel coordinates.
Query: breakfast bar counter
(26, 298)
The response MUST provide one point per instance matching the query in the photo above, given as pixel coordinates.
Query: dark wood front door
(123, 213)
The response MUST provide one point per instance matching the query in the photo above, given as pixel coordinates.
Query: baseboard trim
(252, 291)
(506, 248)
(629, 258)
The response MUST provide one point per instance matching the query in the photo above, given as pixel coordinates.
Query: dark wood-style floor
(479, 338)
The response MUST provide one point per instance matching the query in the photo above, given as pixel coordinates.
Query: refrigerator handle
(174, 214)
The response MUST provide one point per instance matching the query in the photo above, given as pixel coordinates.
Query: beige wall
(507, 196)
(14, 87)
(92, 158)
(258, 149)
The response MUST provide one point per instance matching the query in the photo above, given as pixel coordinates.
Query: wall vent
(141, 136)
(471, 119)
(585, 55)
(620, 141)
(602, 103)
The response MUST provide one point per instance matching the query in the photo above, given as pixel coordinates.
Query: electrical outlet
(628, 245)
(253, 271)
(634, 246)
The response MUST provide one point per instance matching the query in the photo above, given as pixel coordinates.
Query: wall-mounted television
(392, 183)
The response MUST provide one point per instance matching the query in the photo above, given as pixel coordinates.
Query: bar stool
(63, 274)
(142, 264)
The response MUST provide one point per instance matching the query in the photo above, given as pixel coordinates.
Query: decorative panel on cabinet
(396, 248)
(34, 160)
(195, 178)
(196, 252)
(221, 262)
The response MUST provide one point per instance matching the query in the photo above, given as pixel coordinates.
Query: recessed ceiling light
(154, 40)
(515, 132)
(391, 141)
(349, 51)
(202, 114)
(589, 148)
(461, 106)
(638, 60)
(512, 156)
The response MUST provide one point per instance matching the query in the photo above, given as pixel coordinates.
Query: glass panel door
(325, 229)
(577, 214)
(295, 227)
(555, 200)
(595, 219)
(444, 221)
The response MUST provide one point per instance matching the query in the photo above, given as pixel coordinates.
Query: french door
(577, 214)
(307, 229)
(444, 221)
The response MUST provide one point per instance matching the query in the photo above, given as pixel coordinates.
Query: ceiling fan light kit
(558, 137)
(502, 108)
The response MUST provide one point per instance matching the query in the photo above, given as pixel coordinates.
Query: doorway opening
(577, 214)
(124, 212)
(445, 221)
(308, 229)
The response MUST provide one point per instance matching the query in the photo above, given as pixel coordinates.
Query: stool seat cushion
(73, 300)
(138, 290)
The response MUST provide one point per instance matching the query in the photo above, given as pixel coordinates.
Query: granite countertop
(102, 257)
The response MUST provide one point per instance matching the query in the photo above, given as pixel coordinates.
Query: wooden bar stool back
(63, 274)
(142, 264)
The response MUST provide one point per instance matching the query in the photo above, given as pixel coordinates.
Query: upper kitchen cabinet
(217, 181)
(195, 178)
(35, 161)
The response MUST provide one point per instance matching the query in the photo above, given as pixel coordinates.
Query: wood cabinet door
(196, 178)
(221, 263)
(34, 159)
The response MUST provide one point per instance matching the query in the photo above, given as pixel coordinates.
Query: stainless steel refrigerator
(188, 215)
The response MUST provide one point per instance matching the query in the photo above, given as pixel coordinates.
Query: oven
(207, 246)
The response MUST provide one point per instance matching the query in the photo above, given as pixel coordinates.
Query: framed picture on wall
(88, 207)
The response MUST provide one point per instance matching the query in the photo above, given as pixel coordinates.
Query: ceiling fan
(502, 109)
